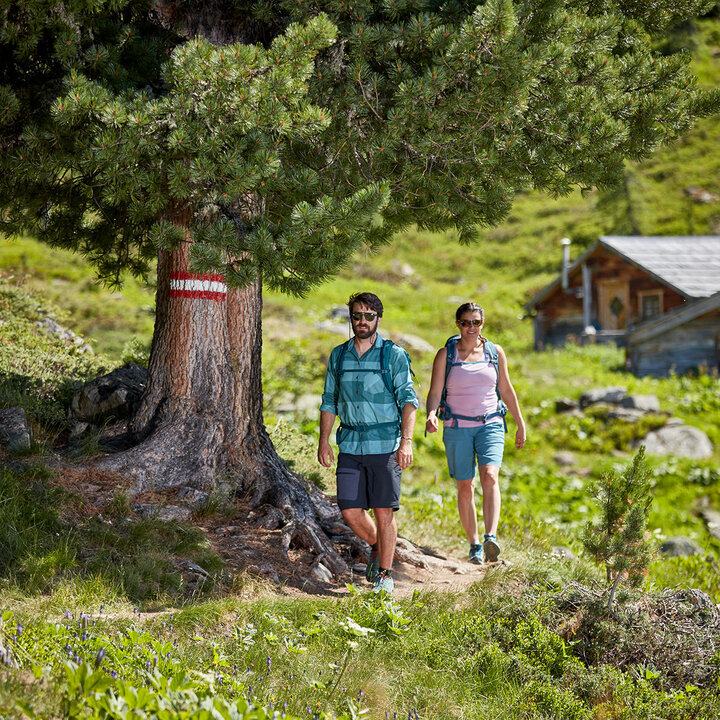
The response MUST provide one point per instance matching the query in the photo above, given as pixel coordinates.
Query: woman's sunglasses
(369, 316)
(468, 323)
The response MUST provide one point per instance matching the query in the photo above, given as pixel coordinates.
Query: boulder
(166, 513)
(565, 404)
(193, 498)
(321, 573)
(333, 327)
(612, 395)
(51, 327)
(712, 520)
(340, 312)
(404, 269)
(413, 342)
(617, 412)
(700, 195)
(15, 433)
(112, 396)
(564, 458)
(646, 403)
(680, 547)
(679, 440)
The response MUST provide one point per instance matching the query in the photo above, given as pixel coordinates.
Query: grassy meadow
(96, 620)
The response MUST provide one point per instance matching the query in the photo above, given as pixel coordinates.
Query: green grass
(482, 653)
(48, 542)
(108, 317)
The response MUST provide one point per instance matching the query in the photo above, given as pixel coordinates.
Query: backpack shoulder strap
(386, 350)
(451, 354)
(492, 353)
(451, 347)
(338, 371)
(491, 350)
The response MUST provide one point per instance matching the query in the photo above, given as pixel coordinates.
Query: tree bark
(200, 421)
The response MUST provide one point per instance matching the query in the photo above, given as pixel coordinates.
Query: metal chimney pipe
(565, 242)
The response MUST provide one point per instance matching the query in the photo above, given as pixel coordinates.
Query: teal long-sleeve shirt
(364, 399)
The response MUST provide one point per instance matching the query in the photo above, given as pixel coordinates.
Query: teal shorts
(463, 446)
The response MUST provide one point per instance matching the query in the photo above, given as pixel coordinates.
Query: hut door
(613, 304)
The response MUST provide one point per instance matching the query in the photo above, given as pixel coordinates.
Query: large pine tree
(246, 143)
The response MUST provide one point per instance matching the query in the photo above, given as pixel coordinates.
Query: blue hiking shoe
(491, 548)
(384, 582)
(476, 554)
(373, 566)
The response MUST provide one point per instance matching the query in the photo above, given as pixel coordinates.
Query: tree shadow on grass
(47, 538)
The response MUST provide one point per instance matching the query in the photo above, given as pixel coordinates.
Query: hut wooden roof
(689, 264)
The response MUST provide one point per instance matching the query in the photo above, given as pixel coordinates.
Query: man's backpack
(444, 411)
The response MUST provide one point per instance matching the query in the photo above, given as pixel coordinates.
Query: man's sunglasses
(369, 316)
(468, 323)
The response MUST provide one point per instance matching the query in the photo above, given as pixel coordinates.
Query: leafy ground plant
(454, 655)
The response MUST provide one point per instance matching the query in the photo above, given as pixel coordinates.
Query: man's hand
(431, 425)
(404, 454)
(520, 438)
(325, 454)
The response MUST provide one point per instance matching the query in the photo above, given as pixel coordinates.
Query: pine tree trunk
(200, 422)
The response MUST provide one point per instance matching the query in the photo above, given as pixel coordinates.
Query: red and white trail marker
(202, 287)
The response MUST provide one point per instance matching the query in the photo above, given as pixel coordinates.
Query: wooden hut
(686, 339)
(621, 282)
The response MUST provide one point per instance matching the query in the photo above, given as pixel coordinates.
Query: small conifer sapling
(619, 539)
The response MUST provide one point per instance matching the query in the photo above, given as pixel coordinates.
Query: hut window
(650, 305)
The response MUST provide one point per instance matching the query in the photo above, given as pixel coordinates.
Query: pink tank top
(471, 391)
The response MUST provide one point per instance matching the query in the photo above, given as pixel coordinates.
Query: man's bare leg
(386, 535)
(361, 524)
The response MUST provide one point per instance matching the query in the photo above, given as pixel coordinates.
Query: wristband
(403, 437)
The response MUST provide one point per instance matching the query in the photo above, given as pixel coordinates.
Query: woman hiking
(470, 392)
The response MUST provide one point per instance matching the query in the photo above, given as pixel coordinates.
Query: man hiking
(369, 385)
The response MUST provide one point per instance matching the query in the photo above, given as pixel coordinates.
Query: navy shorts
(368, 481)
(466, 446)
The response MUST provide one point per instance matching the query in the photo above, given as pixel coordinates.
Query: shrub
(619, 541)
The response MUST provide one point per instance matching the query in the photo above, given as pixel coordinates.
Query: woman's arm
(507, 393)
(436, 387)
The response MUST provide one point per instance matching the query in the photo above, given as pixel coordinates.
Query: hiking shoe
(491, 548)
(383, 582)
(373, 566)
(476, 554)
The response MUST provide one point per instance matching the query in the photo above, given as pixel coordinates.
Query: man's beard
(364, 333)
